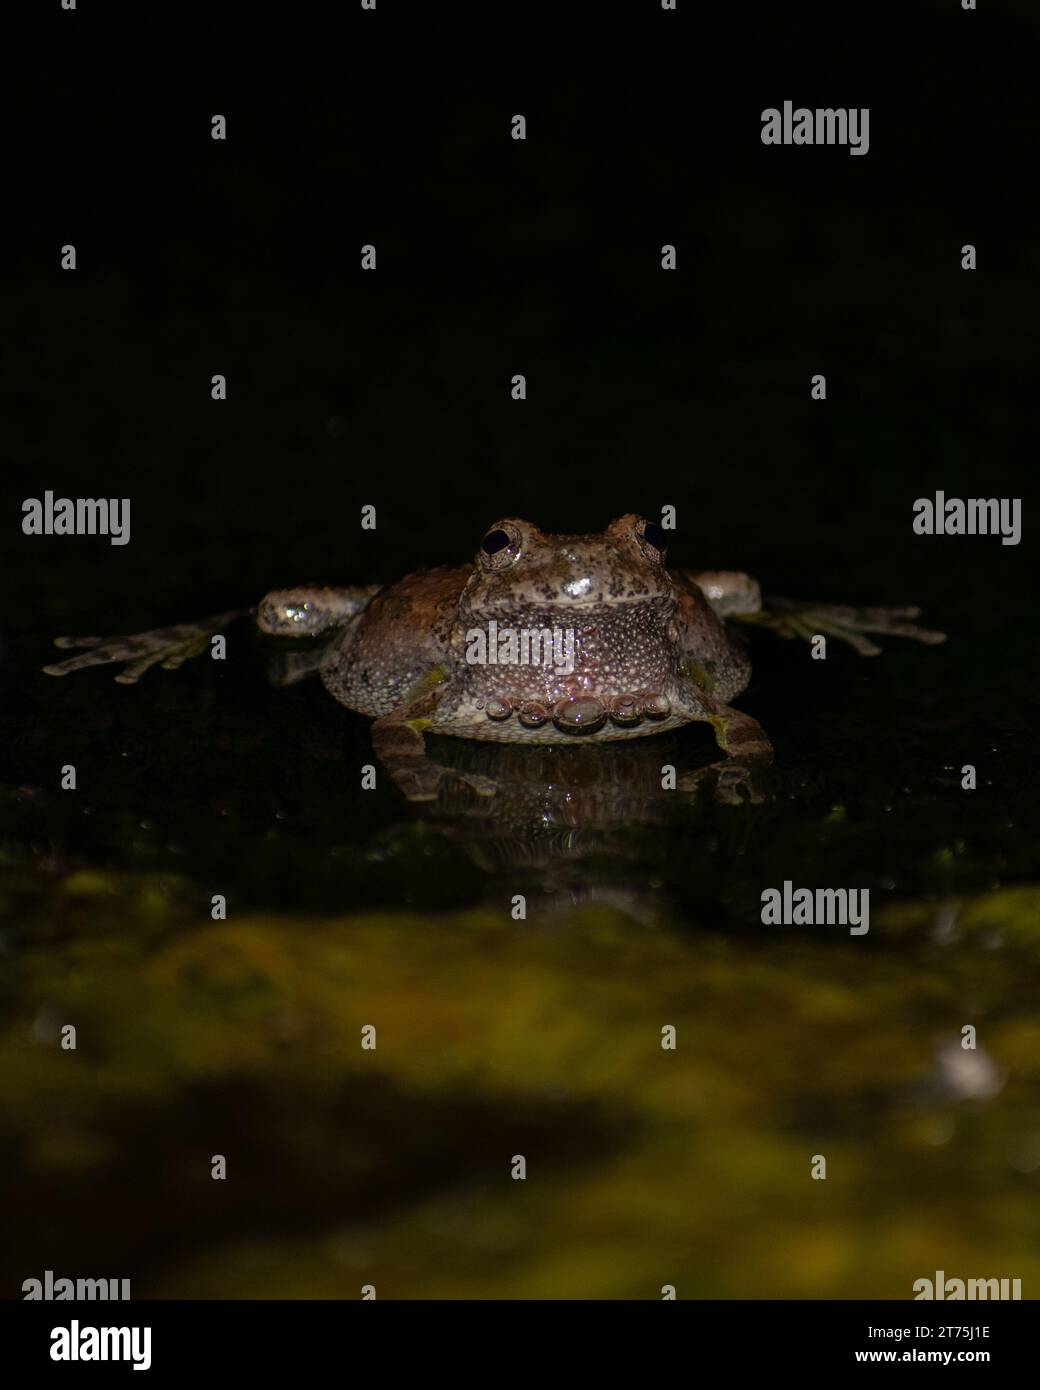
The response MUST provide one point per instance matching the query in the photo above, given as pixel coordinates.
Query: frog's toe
(740, 737)
(477, 782)
(100, 654)
(78, 641)
(415, 786)
(793, 618)
(889, 620)
(863, 646)
(849, 625)
(134, 670)
(738, 784)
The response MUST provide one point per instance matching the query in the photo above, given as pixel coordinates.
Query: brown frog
(542, 639)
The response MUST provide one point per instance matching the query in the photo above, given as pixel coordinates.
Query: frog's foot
(748, 751)
(790, 618)
(740, 737)
(169, 647)
(400, 745)
(738, 777)
(740, 783)
(731, 782)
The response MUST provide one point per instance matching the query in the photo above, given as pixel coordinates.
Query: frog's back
(403, 633)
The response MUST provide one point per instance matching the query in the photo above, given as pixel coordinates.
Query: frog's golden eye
(500, 548)
(652, 541)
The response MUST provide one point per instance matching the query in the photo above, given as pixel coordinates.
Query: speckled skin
(402, 635)
(638, 649)
(637, 628)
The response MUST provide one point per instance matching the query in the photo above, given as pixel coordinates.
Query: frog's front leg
(399, 744)
(748, 751)
(740, 775)
(737, 597)
(740, 736)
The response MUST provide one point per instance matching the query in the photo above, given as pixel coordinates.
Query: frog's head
(572, 634)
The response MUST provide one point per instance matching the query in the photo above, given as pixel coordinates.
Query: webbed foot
(169, 647)
(740, 783)
(730, 782)
(740, 737)
(791, 618)
(739, 777)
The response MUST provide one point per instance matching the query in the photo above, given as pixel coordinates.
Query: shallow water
(497, 1037)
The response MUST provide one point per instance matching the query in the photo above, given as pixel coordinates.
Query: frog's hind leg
(792, 618)
(303, 612)
(737, 597)
(169, 647)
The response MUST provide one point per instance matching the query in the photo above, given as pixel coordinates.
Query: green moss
(645, 1166)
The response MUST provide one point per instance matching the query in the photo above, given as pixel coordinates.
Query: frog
(539, 639)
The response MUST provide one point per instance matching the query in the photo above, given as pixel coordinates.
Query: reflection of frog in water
(571, 823)
(649, 649)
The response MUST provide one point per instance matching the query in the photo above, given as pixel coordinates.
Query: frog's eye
(493, 542)
(500, 548)
(652, 541)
